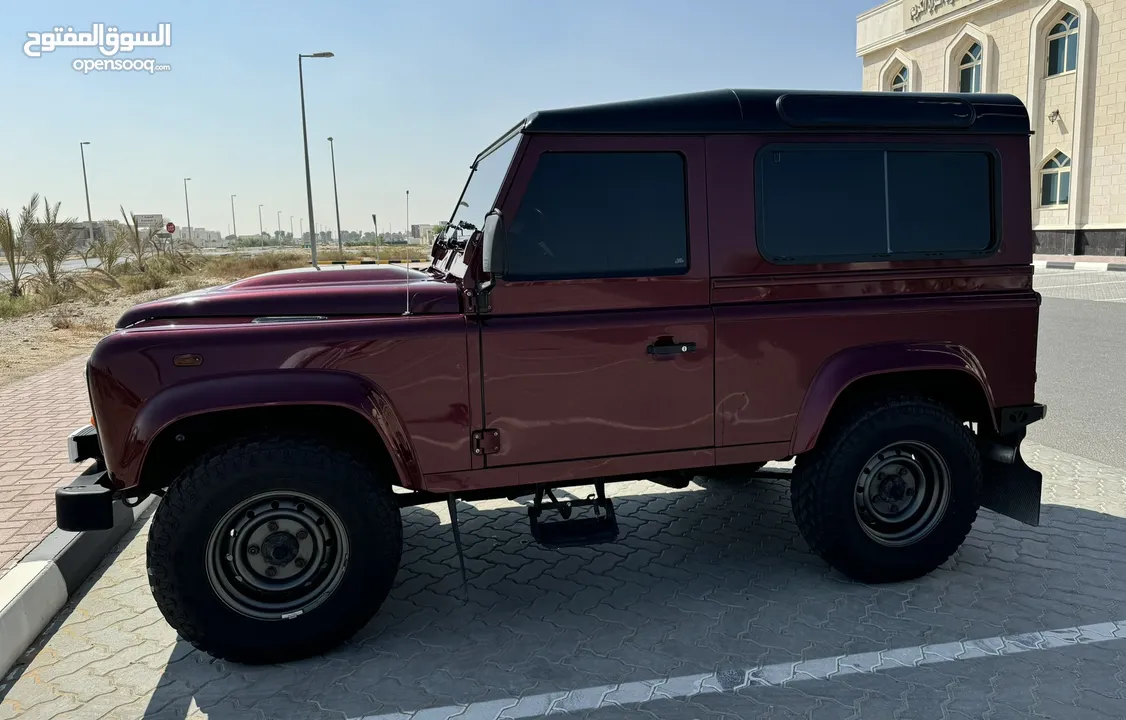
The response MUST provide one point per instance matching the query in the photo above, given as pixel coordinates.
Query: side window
(586, 215)
(856, 203)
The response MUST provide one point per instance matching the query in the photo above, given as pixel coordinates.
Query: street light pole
(336, 196)
(292, 237)
(305, 137)
(89, 216)
(261, 232)
(279, 227)
(187, 209)
(408, 214)
(301, 228)
(234, 224)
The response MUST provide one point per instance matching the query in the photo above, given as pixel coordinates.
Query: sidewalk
(1080, 262)
(36, 415)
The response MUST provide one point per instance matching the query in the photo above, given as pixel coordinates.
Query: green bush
(153, 278)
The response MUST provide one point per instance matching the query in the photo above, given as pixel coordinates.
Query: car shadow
(710, 579)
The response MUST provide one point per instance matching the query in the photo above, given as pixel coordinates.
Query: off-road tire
(825, 481)
(221, 479)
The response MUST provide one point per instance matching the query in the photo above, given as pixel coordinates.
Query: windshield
(478, 196)
(484, 182)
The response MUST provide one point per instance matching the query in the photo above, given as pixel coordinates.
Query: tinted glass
(958, 219)
(1072, 52)
(1048, 188)
(1056, 58)
(825, 204)
(821, 203)
(1065, 187)
(600, 215)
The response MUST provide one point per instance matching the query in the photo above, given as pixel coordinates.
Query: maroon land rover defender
(655, 289)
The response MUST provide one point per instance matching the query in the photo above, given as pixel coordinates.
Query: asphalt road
(1082, 365)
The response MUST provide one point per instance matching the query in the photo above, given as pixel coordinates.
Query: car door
(599, 338)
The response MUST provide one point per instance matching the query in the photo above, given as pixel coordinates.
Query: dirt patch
(40, 340)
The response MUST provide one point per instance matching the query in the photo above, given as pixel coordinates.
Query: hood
(336, 290)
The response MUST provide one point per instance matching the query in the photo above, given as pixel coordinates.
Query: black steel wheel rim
(902, 493)
(277, 555)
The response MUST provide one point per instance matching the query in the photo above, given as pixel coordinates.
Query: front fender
(263, 389)
(848, 366)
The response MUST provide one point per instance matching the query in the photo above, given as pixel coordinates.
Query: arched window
(1063, 45)
(969, 70)
(1055, 180)
(899, 82)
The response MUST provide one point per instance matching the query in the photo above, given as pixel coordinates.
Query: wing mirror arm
(492, 248)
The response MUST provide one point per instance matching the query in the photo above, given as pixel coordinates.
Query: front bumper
(87, 503)
(1009, 486)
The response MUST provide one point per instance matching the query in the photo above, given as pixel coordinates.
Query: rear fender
(287, 387)
(848, 366)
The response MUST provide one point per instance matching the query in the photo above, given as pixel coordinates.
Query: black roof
(785, 111)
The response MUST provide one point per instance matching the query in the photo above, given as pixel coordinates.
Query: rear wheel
(890, 492)
(273, 549)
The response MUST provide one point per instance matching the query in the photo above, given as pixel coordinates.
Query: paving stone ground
(36, 415)
(710, 579)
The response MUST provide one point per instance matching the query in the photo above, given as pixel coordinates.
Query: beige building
(1065, 59)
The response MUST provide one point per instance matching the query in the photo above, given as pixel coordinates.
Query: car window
(834, 203)
(589, 215)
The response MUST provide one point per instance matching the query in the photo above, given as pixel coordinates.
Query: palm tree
(14, 241)
(138, 241)
(52, 242)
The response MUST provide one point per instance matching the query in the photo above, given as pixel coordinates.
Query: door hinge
(477, 301)
(486, 442)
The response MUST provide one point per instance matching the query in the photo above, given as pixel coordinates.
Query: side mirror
(492, 242)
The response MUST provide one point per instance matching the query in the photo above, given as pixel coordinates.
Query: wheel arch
(184, 420)
(945, 372)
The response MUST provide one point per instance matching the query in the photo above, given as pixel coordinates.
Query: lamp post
(336, 197)
(279, 227)
(301, 229)
(408, 214)
(89, 217)
(292, 237)
(234, 224)
(187, 209)
(305, 137)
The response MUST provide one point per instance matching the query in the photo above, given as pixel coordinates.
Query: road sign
(148, 220)
(170, 227)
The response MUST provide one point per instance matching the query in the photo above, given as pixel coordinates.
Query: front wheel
(890, 492)
(273, 549)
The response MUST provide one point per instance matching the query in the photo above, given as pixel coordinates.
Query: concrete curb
(1079, 265)
(39, 586)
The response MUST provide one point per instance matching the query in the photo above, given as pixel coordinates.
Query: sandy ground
(33, 342)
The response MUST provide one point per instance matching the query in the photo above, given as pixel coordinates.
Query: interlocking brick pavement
(36, 415)
(710, 579)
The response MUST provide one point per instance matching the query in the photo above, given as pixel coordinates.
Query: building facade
(1065, 59)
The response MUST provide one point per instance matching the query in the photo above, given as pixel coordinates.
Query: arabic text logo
(107, 39)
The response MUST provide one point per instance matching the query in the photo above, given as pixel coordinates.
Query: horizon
(408, 107)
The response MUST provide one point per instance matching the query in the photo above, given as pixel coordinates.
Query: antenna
(407, 267)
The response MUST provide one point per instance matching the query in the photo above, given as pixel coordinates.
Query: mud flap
(1009, 486)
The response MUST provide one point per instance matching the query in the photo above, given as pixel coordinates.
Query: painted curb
(38, 587)
(1079, 265)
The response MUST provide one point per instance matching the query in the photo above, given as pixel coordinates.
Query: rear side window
(837, 203)
(587, 215)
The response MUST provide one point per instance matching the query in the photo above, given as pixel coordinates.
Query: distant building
(422, 234)
(200, 237)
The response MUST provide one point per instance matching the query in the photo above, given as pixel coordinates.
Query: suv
(655, 289)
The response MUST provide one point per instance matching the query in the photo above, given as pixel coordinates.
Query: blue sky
(417, 87)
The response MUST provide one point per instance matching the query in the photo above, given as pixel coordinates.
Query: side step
(599, 526)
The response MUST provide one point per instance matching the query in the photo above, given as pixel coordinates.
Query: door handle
(671, 348)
